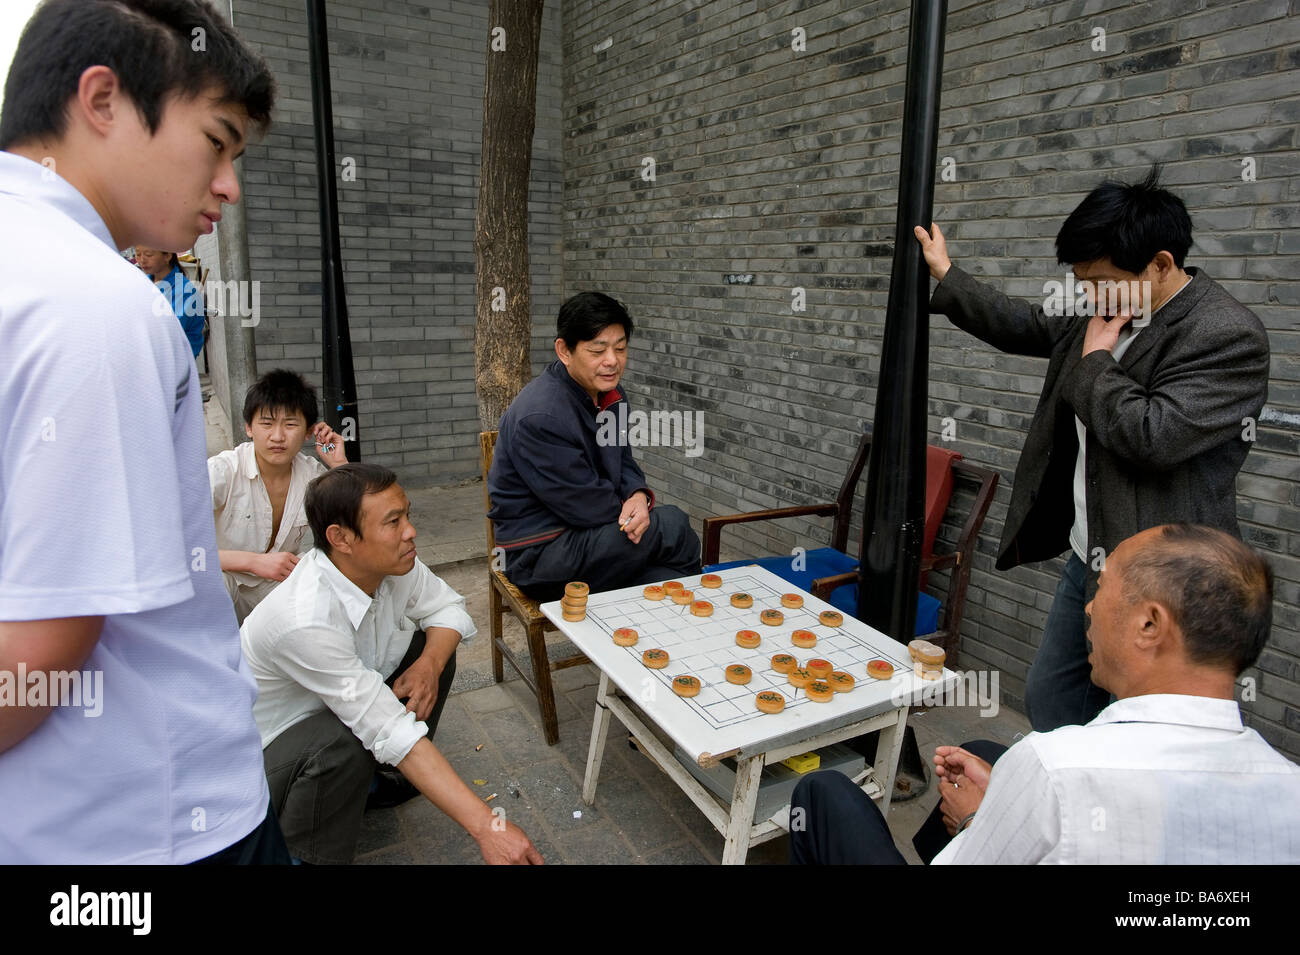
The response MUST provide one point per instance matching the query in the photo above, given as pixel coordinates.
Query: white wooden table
(724, 721)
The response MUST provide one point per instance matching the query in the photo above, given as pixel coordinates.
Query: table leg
(741, 820)
(890, 745)
(596, 750)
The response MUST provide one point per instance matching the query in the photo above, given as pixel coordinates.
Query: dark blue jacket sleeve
(632, 478)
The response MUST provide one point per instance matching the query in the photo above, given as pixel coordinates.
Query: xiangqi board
(724, 714)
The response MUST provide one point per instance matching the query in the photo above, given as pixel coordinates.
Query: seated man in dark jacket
(566, 503)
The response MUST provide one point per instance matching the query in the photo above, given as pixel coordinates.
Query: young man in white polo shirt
(333, 655)
(258, 488)
(115, 132)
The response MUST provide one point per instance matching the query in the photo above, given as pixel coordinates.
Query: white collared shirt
(319, 641)
(241, 506)
(105, 511)
(1161, 779)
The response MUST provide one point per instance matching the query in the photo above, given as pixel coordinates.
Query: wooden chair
(958, 560)
(503, 596)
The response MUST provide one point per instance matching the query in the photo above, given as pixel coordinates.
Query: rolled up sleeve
(323, 660)
(219, 473)
(431, 603)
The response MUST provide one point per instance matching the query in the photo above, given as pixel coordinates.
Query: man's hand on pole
(935, 250)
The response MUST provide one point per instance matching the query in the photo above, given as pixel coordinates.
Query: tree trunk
(503, 330)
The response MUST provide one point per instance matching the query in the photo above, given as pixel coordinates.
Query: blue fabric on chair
(827, 562)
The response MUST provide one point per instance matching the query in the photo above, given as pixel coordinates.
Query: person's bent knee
(816, 786)
(670, 518)
(342, 759)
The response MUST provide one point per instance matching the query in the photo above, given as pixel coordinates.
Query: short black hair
(587, 314)
(153, 46)
(1127, 224)
(281, 389)
(1219, 591)
(335, 497)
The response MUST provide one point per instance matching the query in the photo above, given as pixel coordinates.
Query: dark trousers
(833, 822)
(606, 559)
(1059, 690)
(263, 846)
(319, 774)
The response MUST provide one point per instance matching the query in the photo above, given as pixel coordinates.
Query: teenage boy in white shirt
(116, 132)
(1166, 774)
(258, 488)
(333, 658)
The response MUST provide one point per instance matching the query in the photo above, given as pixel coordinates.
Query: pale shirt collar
(247, 457)
(1173, 708)
(1155, 311)
(356, 602)
(1137, 324)
(248, 461)
(22, 177)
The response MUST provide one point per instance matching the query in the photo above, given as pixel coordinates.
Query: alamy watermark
(973, 688)
(128, 909)
(79, 688)
(1087, 297)
(234, 299)
(657, 429)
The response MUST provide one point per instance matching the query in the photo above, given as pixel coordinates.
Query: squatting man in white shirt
(333, 659)
(1166, 774)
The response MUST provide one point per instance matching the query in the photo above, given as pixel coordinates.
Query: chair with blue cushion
(831, 574)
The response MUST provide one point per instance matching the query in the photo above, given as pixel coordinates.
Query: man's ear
(1156, 627)
(1163, 263)
(99, 98)
(562, 351)
(340, 538)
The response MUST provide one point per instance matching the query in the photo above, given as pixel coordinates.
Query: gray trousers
(319, 774)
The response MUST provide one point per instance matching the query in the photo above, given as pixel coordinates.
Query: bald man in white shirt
(1166, 774)
(333, 656)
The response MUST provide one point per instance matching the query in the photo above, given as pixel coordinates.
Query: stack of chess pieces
(927, 659)
(573, 605)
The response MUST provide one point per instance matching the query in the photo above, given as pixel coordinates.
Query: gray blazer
(1166, 426)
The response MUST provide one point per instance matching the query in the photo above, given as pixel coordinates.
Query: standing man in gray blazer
(1155, 379)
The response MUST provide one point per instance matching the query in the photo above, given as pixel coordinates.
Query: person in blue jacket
(183, 295)
(567, 502)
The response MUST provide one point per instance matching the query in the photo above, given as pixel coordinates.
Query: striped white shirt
(1159, 779)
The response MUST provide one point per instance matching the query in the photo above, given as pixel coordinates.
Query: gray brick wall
(407, 84)
(783, 165)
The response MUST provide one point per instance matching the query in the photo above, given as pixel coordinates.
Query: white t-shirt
(105, 510)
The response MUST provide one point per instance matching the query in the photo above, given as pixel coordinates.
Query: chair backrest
(938, 492)
(487, 445)
(939, 480)
(844, 499)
